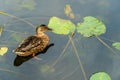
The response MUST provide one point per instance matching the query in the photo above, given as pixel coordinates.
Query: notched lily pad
(0, 30)
(100, 76)
(116, 45)
(91, 26)
(61, 26)
(3, 50)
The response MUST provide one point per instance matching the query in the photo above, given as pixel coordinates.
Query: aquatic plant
(61, 26)
(116, 45)
(100, 76)
(91, 26)
(0, 30)
(3, 50)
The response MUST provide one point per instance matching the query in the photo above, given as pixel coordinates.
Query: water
(94, 56)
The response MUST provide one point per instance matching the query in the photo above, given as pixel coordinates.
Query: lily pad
(100, 76)
(61, 26)
(116, 45)
(3, 50)
(0, 30)
(91, 26)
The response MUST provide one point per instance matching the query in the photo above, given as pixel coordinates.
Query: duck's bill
(49, 29)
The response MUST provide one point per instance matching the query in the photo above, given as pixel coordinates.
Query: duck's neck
(44, 37)
(41, 35)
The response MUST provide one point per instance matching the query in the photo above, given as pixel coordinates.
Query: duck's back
(32, 45)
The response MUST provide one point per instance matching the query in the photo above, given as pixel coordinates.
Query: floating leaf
(61, 26)
(116, 45)
(100, 76)
(68, 11)
(3, 50)
(47, 69)
(91, 26)
(0, 30)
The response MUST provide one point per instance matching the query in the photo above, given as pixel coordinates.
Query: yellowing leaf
(91, 26)
(68, 11)
(61, 26)
(3, 50)
(116, 45)
(100, 76)
(0, 30)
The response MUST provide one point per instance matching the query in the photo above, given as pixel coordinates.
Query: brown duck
(34, 44)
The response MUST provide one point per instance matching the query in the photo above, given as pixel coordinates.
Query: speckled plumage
(34, 44)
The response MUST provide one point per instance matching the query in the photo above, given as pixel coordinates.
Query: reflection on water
(20, 59)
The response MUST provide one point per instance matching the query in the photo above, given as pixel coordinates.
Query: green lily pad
(0, 30)
(100, 76)
(91, 26)
(61, 26)
(116, 45)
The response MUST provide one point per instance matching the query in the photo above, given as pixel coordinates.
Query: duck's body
(34, 44)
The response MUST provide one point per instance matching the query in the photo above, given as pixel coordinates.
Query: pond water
(57, 64)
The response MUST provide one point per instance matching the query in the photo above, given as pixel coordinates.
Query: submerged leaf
(47, 69)
(0, 30)
(91, 26)
(23, 4)
(28, 4)
(61, 26)
(116, 45)
(17, 37)
(3, 50)
(100, 76)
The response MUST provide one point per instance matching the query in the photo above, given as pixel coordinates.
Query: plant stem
(12, 16)
(14, 31)
(62, 53)
(7, 70)
(105, 44)
(80, 63)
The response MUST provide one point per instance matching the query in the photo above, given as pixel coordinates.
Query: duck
(34, 44)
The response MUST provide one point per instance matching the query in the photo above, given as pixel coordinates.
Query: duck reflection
(21, 59)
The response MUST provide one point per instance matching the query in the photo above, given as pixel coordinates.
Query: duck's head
(41, 29)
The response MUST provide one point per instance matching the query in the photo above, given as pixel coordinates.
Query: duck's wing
(28, 44)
